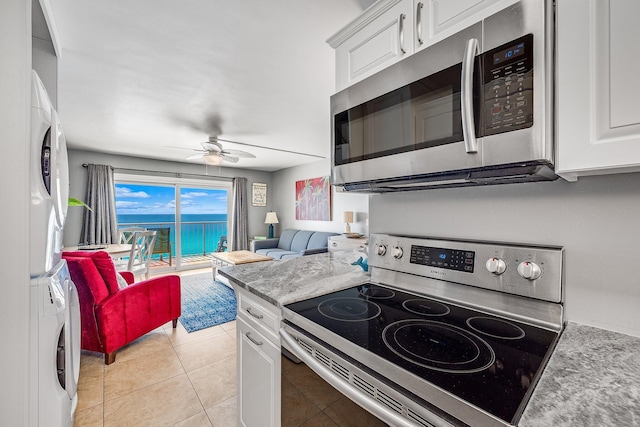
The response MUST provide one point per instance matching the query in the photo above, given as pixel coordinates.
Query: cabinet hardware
(419, 21)
(257, 316)
(401, 32)
(256, 342)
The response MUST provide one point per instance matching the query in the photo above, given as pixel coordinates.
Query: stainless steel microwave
(473, 109)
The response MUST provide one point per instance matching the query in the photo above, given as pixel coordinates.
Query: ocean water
(199, 233)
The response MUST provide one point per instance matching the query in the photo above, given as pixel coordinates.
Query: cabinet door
(443, 18)
(376, 42)
(598, 113)
(258, 379)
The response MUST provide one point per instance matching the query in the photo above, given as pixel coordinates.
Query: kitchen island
(592, 378)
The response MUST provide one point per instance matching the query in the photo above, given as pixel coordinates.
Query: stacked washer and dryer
(54, 307)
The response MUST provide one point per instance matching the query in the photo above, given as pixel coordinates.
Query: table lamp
(347, 218)
(271, 219)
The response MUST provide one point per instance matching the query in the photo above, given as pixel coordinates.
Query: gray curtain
(100, 225)
(239, 216)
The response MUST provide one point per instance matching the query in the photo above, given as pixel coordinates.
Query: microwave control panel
(508, 86)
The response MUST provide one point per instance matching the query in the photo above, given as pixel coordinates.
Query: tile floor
(170, 377)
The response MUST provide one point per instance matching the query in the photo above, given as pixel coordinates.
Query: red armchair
(112, 317)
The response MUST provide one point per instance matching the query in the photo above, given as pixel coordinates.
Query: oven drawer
(260, 314)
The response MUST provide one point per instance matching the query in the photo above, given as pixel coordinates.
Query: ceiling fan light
(212, 159)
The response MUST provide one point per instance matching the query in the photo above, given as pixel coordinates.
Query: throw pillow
(121, 282)
(107, 270)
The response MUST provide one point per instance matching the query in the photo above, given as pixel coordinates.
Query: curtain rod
(160, 173)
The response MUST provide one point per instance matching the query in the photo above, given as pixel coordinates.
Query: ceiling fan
(213, 153)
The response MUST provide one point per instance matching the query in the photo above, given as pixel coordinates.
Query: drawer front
(260, 314)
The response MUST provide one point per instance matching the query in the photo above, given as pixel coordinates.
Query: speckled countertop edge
(591, 379)
(281, 282)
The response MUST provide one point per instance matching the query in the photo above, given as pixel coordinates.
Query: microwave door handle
(466, 95)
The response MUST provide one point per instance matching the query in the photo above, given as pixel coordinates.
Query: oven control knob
(496, 266)
(381, 250)
(397, 252)
(529, 270)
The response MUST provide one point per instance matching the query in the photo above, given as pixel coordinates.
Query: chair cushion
(265, 251)
(300, 240)
(286, 238)
(319, 240)
(105, 266)
(83, 270)
(279, 253)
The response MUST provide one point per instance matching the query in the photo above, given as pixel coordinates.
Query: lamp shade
(271, 218)
(347, 217)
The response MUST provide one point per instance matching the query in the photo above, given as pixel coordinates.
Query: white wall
(596, 220)
(45, 63)
(78, 178)
(284, 196)
(15, 113)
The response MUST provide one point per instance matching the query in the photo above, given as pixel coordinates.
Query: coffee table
(222, 259)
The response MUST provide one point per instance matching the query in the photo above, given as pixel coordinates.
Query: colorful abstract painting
(313, 199)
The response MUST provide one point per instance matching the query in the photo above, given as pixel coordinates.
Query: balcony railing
(197, 239)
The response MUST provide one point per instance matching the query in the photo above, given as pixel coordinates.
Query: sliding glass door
(203, 222)
(190, 217)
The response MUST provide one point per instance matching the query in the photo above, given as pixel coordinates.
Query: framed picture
(259, 194)
(313, 199)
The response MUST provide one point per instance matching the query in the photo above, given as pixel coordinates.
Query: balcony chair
(114, 314)
(222, 244)
(142, 244)
(163, 242)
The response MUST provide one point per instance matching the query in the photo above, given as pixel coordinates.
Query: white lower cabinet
(258, 378)
(598, 113)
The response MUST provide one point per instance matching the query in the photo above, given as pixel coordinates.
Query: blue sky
(135, 199)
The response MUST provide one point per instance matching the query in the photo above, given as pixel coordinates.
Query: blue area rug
(205, 303)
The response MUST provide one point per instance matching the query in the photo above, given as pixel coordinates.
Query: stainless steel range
(446, 333)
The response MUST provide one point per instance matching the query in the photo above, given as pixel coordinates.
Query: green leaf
(75, 202)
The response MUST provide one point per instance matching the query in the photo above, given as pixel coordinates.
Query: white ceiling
(138, 77)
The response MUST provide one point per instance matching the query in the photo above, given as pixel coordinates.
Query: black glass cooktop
(485, 360)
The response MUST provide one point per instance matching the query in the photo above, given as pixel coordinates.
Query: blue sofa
(294, 243)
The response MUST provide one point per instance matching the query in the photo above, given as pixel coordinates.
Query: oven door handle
(376, 408)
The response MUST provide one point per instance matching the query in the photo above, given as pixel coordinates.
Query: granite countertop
(591, 379)
(285, 281)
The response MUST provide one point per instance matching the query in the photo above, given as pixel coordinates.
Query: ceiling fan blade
(231, 159)
(212, 146)
(184, 148)
(196, 156)
(239, 153)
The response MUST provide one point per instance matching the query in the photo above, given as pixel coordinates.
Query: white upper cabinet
(442, 18)
(381, 36)
(391, 30)
(598, 108)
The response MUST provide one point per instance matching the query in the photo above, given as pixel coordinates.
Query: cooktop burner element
(438, 346)
(496, 328)
(440, 326)
(376, 292)
(349, 309)
(426, 307)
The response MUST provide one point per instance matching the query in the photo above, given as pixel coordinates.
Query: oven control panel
(450, 259)
(531, 271)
